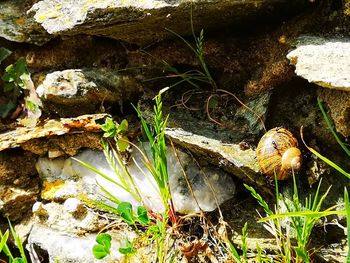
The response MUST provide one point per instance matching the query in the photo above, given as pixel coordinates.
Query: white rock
(323, 62)
(78, 180)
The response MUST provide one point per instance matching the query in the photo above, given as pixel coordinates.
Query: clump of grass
(18, 243)
(16, 85)
(297, 223)
(117, 143)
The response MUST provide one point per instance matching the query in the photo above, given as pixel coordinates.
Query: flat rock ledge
(325, 62)
(231, 157)
(143, 21)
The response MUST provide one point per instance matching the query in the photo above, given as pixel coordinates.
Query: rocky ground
(268, 62)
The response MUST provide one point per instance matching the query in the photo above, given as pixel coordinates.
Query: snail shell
(278, 152)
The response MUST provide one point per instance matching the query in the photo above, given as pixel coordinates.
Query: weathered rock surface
(16, 26)
(87, 123)
(325, 62)
(19, 184)
(75, 92)
(63, 178)
(230, 157)
(144, 21)
(57, 234)
(339, 105)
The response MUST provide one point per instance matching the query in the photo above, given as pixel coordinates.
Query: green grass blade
(260, 200)
(331, 127)
(347, 206)
(4, 239)
(88, 166)
(233, 252)
(329, 162)
(18, 243)
(303, 214)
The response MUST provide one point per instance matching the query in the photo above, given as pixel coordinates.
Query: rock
(16, 202)
(143, 22)
(339, 105)
(70, 238)
(75, 92)
(67, 178)
(57, 217)
(347, 7)
(19, 184)
(75, 52)
(87, 123)
(325, 62)
(16, 25)
(232, 158)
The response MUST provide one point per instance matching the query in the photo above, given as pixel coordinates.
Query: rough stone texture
(144, 21)
(68, 144)
(339, 105)
(19, 184)
(325, 62)
(63, 178)
(75, 52)
(58, 235)
(16, 202)
(16, 26)
(15, 138)
(75, 92)
(230, 157)
(347, 7)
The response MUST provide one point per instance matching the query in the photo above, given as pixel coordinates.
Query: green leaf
(142, 215)
(18, 260)
(123, 127)
(104, 239)
(10, 74)
(127, 249)
(4, 53)
(102, 248)
(125, 211)
(301, 253)
(109, 127)
(4, 239)
(123, 144)
(99, 251)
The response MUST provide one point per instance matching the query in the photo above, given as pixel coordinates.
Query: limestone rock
(144, 21)
(233, 158)
(53, 245)
(88, 123)
(325, 62)
(63, 178)
(16, 25)
(75, 92)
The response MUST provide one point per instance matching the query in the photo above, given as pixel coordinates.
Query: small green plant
(128, 249)
(18, 242)
(115, 145)
(298, 224)
(17, 83)
(103, 246)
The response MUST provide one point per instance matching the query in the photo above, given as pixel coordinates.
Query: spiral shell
(278, 152)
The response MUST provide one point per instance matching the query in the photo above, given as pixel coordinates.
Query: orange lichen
(50, 188)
